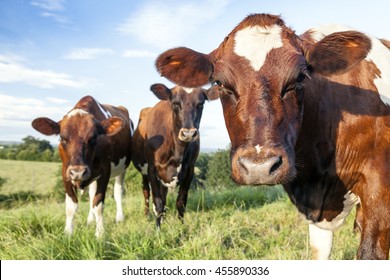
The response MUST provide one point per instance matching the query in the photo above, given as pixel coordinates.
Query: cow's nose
(188, 135)
(261, 166)
(265, 168)
(79, 173)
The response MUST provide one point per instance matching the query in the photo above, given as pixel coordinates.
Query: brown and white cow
(166, 144)
(95, 145)
(310, 112)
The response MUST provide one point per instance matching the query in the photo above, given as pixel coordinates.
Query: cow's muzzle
(188, 134)
(78, 173)
(262, 166)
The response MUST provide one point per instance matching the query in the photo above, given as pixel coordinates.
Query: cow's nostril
(276, 165)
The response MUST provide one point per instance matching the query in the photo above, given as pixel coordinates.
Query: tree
(218, 170)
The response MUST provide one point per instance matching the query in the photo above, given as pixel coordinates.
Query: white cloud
(167, 23)
(138, 53)
(87, 53)
(17, 113)
(53, 9)
(57, 100)
(58, 18)
(11, 71)
(49, 5)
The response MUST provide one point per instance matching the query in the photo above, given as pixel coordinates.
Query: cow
(95, 145)
(310, 112)
(166, 145)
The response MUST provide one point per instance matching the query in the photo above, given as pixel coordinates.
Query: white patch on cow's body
(324, 30)
(91, 192)
(144, 169)
(98, 211)
(321, 241)
(188, 90)
(70, 210)
(76, 112)
(119, 168)
(379, 55)
(105, 113)
(118, 192)
(171, 185)
(255, 42)
(154, 210)
(350, 201)
(321, 233)
(258, 148)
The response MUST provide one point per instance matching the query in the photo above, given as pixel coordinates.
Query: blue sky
(53, 52)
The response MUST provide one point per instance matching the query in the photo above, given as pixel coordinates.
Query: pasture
(241, 223)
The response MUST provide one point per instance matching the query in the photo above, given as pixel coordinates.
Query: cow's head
(261, 69)
(187, 107)
(80, 136)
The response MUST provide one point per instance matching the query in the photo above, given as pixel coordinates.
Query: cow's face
(187, 107)
(80, 136)
(260, 69)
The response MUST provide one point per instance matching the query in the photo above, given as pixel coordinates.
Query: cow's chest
(169, 175)
(117, 169)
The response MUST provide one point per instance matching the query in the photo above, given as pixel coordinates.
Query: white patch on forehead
(118, 169)
(255, 42)
(188, 90)
(105, 113)
(76, 112)
(350, 201)
(379, 55)
(258, 148)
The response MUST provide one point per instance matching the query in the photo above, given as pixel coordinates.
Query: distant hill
(4, 142)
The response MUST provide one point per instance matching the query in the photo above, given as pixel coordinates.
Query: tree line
(211, 169)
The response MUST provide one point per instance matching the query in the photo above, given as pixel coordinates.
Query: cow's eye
(176, 104)
(301, 78)
(63, 141)
(218, 83)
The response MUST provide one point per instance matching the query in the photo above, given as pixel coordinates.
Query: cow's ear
(185, 67)
(112, 125)
(161, 91)
(338, 52)
(212, 93)
(46, 126)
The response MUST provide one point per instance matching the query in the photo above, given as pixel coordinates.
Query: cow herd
(310, 112)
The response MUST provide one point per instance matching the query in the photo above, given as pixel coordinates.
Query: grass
(242, 223)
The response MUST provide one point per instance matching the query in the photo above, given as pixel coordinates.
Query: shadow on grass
(18, 199)
(243, 198)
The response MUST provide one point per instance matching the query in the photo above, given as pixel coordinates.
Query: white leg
(70, 210)
(320, 242)
(118, 192)
(91, 192)
(98, 211)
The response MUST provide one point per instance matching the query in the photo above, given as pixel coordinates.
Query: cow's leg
(320, 242)
(118, 192)
(146, 192)
(70, 210)
(357, 224)
(98, 204)
(181, 201)
(375, 237)
(91, 192)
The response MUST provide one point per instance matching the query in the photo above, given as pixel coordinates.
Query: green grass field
(242, 223)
